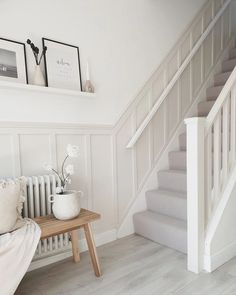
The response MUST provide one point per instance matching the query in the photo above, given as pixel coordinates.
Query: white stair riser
(183, 142)
(232, 53)
(167, 205)
(172, 181)
(220, 79)
(204, 108)
(161, 233)
(213, 92)
(228, 65)
(177, 160)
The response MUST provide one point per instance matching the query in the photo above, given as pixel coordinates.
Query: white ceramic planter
(38, 77)
(66, 206)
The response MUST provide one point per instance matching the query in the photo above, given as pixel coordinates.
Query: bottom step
(162, 229)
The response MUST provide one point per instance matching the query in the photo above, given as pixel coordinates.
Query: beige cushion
(11, 203)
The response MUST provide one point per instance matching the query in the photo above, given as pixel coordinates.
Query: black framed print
(13, 61)
(62, 65)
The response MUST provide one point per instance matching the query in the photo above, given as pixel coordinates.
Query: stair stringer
(220, 241)
(138, 203)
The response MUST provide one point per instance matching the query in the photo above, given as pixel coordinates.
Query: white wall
(124, 42)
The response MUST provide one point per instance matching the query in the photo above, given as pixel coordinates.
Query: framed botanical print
(62, 65)
(13, 61)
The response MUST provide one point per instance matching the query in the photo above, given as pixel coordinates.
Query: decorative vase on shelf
(88, 86)
(38, 76)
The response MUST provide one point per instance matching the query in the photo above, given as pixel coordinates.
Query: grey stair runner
(164, 221)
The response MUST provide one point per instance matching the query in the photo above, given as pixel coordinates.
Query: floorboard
(131, 266)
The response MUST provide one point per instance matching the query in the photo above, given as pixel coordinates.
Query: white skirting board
(100, 239)
(212, 262)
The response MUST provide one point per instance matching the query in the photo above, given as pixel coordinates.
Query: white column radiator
(37, 190)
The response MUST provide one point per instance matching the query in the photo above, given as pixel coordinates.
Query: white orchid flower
(69, 169)
(47, 167)
(72, 151)
(59, 189)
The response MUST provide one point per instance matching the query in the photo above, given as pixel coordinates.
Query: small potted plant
(66, 203)
(38, 75)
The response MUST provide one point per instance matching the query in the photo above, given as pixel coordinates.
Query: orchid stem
(62, 168)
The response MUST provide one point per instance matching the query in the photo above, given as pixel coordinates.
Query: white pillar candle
(87, 72)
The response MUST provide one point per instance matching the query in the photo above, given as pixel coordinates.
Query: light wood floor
(131, 266)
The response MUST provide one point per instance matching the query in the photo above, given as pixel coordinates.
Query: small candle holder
(88, 87)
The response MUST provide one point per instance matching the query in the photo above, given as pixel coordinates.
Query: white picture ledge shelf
(48, 90)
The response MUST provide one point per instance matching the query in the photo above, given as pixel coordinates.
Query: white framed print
(13, 61)
(62, 65)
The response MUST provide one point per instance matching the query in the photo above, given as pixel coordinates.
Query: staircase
(165, 220)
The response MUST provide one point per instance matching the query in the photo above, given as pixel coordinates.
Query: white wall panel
(6, 155)
(158, 86)
(226, 26)
(185, 90)
(208, 15)
(143, 156)
(217, 6)
(102, 181)
(142, 109)
(185, 48)
(125, 177)
(35, 151)
(197, 31)
(207, 55)
(172, 66)
(158, 127)
(217, 39)
(172, 115)
(196, 71)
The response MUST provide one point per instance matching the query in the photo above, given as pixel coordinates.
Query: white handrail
(171, 84)
(220, 100)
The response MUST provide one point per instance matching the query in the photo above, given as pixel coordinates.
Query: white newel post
(195, 192)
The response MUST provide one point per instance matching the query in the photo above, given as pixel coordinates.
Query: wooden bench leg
(92, 250)
(75, 245)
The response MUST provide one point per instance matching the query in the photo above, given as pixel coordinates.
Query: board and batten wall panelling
(226, 26)
(172, 105)
(196, 72)
(217, 39)
(79, 181)
(185, 48)
(185, 90)
(158, 86)
(208, 15)
(197, 31)
(142, 109)
(35, 151)
(159, 131)
(126, 167)
(102, 181)
(7, 159)
(172, 66)
(143, 157)
(207, 55)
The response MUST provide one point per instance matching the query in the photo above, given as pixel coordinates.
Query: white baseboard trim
(100, 239)
(212, 262)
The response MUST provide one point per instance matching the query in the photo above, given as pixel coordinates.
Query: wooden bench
(50, 226)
